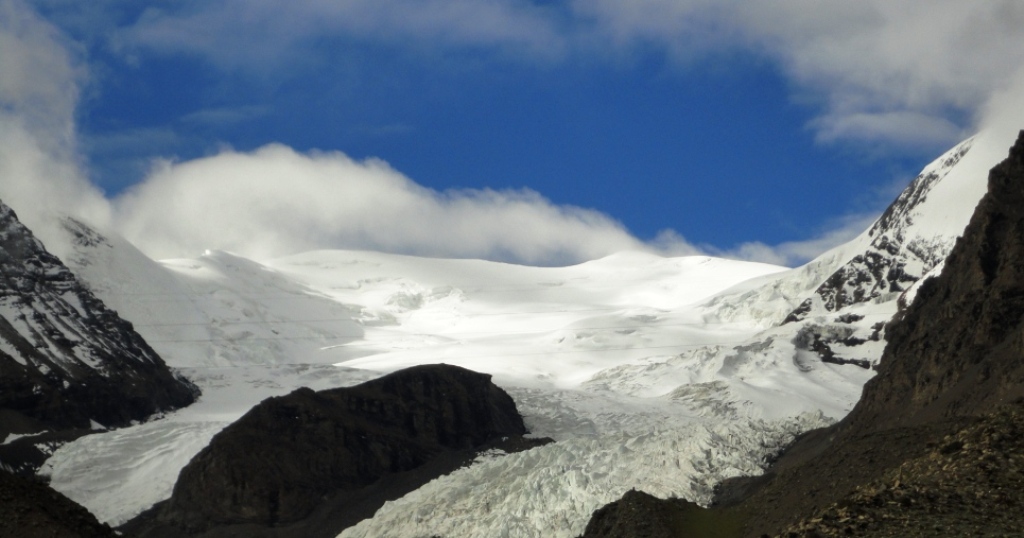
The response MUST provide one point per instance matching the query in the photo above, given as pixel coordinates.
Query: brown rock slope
(971, 483)
(933, 448)
(272, 472)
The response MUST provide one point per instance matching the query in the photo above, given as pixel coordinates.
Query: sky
(530, 131)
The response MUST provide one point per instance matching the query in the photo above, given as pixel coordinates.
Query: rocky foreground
(31, 509)
(970, 484)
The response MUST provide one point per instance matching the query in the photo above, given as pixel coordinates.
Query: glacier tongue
(544, 491)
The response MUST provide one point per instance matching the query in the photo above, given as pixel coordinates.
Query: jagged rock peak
(955, 357)
(890, 229)
(66, 360)
(895, 252)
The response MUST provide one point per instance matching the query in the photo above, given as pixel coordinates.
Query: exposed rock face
(959, 349)
(928, 435)
(956, 354)
(67, 361)
(836, 306)
(895, 255)
(275, 464)
(30, 509)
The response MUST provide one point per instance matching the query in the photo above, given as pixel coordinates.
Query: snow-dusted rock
(66, 360)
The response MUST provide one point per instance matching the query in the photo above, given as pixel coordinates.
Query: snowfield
(615, 359)
(663, 374)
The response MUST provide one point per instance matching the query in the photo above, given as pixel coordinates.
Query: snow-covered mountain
(67, 361)
(666, 374)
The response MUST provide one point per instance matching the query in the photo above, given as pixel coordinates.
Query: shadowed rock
(66, 360)
(639, 515)
(31, 509)
(286, 455)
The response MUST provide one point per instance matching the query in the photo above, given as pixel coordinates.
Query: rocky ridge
(969, 484)
(936, 410)
(894, 254)
(68, 364)
(836, 306)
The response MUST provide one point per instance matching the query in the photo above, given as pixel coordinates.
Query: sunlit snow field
(616, 359)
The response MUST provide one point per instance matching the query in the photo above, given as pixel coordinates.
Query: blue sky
(680, 125)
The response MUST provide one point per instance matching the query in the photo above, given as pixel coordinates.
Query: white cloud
(904, 72)
(261, 33)
(40, 173)
(907, 129)
(39, 85)
(794, 253)
(269, 202)
(1003, 114)
(275, 201)
(900, 72)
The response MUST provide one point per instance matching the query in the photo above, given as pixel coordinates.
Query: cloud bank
(275, 201)
(269, 202)
(911, 73)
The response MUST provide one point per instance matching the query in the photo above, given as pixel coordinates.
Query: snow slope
(244, 331)
(665, 374)
(66, 360)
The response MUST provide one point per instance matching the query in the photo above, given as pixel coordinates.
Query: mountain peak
(958, 347)
(66, 360)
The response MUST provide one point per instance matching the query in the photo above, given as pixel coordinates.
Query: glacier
(666, 374)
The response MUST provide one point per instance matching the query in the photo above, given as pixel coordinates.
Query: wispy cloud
(269, 202)
(902, 72)
(905, 72)
(912, 73)
(794, 253)
(40, 171)
(254, 33)
(225, 115)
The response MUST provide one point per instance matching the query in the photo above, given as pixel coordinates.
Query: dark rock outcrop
(288, 454)
(31, 509)
(639, 515)
(67, 362)
(951, 380)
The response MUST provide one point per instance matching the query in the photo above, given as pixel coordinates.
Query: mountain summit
(67, 362)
